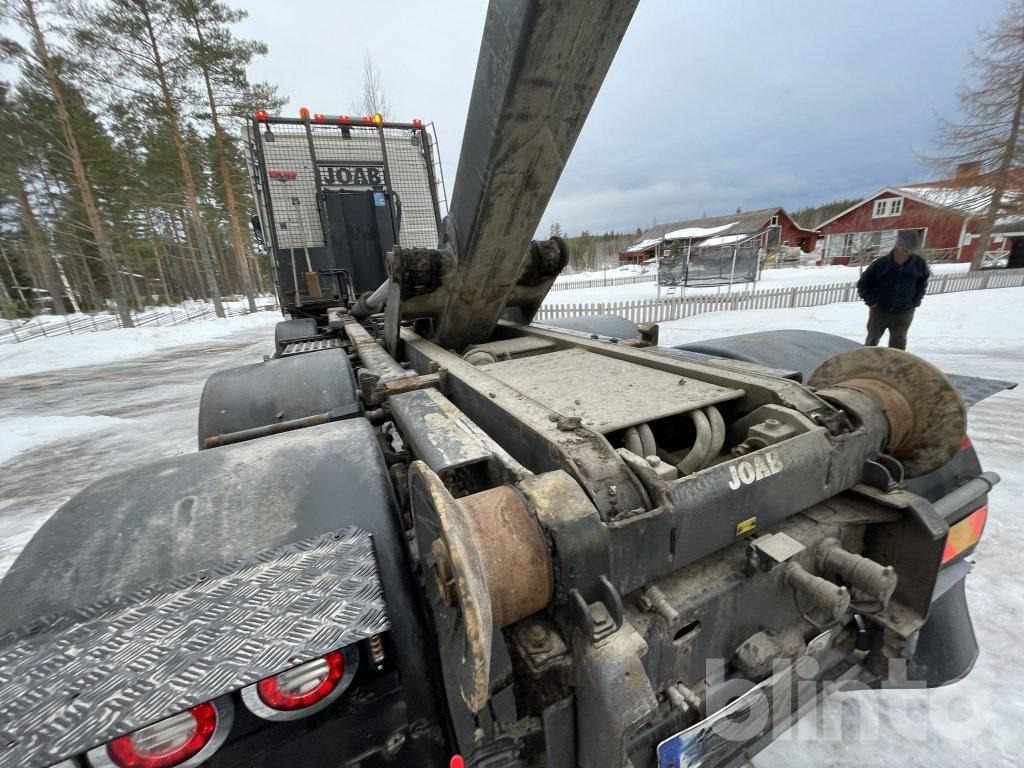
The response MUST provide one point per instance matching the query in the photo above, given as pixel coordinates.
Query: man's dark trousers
(897, 323)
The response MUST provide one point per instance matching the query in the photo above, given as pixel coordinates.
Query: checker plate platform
(72, 681)
(310, 345)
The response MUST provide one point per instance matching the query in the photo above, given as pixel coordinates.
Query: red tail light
(417, 123)
(320, 118)
(304, 685)
(344, 119)
(304, 689)
(182, 741)
(262, 114)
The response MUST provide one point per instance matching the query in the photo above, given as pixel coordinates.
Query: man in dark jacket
(893, 287)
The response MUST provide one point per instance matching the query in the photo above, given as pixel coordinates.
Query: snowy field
(101, 402)
(770, 278)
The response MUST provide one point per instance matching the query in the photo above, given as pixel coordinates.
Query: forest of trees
(590, 251)
(123, 178)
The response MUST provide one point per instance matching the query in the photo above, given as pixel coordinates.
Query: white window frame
(886, 207)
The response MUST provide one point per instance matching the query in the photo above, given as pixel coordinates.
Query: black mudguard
(157, 524)
(295, 329)
(802, 351)
(277, 390)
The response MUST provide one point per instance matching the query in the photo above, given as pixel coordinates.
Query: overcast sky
(708, 106)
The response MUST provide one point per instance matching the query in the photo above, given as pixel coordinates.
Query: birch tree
(373, 98)
(988, 137)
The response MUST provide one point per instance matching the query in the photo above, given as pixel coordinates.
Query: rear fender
(278, 390)
(155, 530)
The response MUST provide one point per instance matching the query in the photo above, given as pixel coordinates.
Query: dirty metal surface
(520, 577)
(937, 411)
(455, 585)
(521, 346)
(71, 681)
(606, 393)
(439, 433)
(310, 345)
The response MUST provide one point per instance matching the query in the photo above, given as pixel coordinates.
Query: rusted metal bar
(215, 441)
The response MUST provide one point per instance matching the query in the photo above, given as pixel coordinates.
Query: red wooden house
(773, 225)
(946, 214)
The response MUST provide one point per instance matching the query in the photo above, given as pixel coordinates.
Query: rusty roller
(486, 565)
(926, 415)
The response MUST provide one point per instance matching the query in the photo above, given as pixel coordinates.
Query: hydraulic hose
(701, 444)
(717, 434)
(633, 441)
(650, 448)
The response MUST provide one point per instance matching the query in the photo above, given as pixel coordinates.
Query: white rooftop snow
(643, 245)
(971, 200)
(692, 233)
(727, 239)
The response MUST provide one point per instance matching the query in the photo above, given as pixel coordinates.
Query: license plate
(717, 736)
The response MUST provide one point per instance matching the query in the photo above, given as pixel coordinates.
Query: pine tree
(130, 40)
(989, 137)
(221, 60)
(38, 56)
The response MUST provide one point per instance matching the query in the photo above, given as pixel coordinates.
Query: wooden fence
(654, 311)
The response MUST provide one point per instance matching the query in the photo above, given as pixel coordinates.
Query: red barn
(773, 225)
(946, 214)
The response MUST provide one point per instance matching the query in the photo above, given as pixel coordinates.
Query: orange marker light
(965, 534)
(304, 113)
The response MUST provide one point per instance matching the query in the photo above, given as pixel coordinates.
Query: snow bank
(950, 326)
(73, 350)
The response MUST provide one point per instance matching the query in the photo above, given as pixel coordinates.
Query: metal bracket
(601, 618)
(376, 392)
(884, 473)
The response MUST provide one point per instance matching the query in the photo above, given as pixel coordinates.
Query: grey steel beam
(541, 65)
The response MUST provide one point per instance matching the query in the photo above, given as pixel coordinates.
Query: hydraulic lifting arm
(540, 67)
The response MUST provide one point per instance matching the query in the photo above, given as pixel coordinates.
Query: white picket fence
(654, 311)
(603, 282)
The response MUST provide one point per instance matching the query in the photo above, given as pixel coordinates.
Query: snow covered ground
(79, 349)
(770, 278)
(73, 421)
